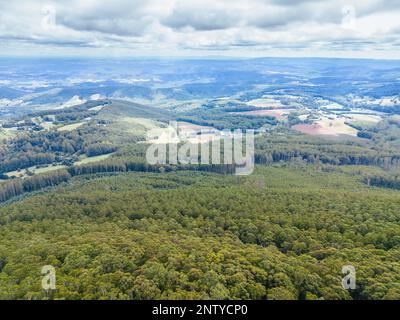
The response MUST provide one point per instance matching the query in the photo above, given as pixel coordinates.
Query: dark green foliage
(231, 122)
(99, 149)
(16, 187)
(136, 110)
(142, 236)
(34, 149)
(289, 147)
(384, 181)
(224, 117)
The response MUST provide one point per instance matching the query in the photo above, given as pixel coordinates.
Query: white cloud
(185, 27)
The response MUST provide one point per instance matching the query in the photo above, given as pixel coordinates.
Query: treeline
(99, 149)
(228, 121)
(75, 116)
(16, 187)
(26, 160)
(223, 118)
(141, 166)
(275, 148)
(384, 182)
(21, 124)
(315, 158)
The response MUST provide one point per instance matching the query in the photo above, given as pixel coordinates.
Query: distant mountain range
(37, 84)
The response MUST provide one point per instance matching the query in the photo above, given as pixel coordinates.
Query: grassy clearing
(17, 174)
(366, 118)
(36, 170)
(71, 127)
(265, 103)
(93, 159)
(190, 126)
(98, 108)
(6, 133)
(47, 125)
(137, 126)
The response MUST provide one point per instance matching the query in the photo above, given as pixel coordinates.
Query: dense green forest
(194, 235)
(118, 228)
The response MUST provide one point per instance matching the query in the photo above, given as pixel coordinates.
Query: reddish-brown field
(190, 126)
(326, 128)
(280, 114)
(312, 129)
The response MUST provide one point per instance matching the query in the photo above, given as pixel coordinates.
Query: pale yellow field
(187, 132)
(6, 133)
(98, 108)
(303, 117)
(23, 173)
(36, 170)
(93, 159)
(337, 127)
(265, 103)
(333, 106)
(71, 127)
(190, 126)
(364, 117)
(137, 126)
(47, 125)
(16, 174)
(46, 169)
(204, 138)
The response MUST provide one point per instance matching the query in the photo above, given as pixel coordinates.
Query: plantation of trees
(199, 235)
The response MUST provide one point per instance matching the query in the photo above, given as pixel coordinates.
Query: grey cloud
(270, 14)
(203, 19)
(119, 27)
(54, 42)
(118, 17)
(200, 24)
(262, 14)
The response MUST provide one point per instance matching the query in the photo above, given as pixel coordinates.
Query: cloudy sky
(336, 28)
